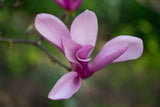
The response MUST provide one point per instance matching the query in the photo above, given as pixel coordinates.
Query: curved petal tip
(120, 48)
(65, 87)
(134, 50)
(84, 28)
(51, 28)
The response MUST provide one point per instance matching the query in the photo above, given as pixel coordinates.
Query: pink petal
(71, 5)
(65, 4)
(84, 28)
(82, 56)
(51, 28)
(134, 50)
(76, 53)
(119, 49)
(76, 4)
(61, 3)
(107, 55)
(84, 52)
(70, 49)
(66, 86)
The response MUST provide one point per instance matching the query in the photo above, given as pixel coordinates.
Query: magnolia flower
(70, 5)
(77, 45)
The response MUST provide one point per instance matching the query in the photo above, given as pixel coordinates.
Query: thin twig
(36, 43)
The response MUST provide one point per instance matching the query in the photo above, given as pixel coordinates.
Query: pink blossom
(70, 5)
(77, 45)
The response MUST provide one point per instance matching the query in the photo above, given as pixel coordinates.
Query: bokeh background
(27, 74)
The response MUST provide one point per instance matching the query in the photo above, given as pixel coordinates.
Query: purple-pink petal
(107, 55)
(61, 3)
(121, 48)
(70, 5)
(76, 4)
(51, 28)
(70, 49)
(134, 50)
(66, 86)
(84, 52)
(84, 28)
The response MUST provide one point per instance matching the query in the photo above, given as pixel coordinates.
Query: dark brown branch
(36, 43)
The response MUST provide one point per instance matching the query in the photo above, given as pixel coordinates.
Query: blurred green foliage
(27, 74)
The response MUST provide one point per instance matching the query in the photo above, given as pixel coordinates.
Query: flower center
(83, 70)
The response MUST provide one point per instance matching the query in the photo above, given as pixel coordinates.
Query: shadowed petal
(119, 49)
(65, 4)
(70, 5)
(61, 3)
(84, 52)
(76, 4)
(70, 49)
(51, 28)
(66, 86)
(84, 28)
